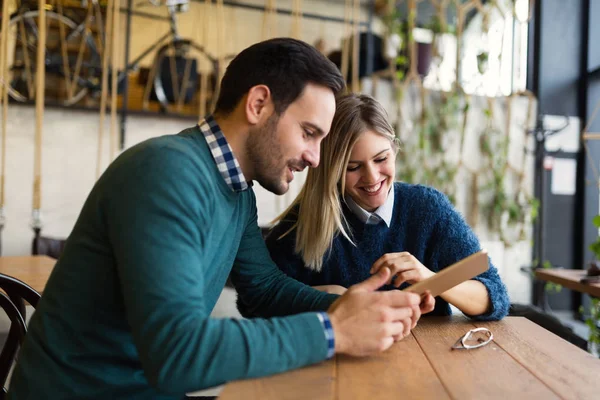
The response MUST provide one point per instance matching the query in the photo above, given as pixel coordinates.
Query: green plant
(592, 322)
(482, 62)
(595, 247)
(423, 160)
(505, 211)
(550, 286)
(439, 27)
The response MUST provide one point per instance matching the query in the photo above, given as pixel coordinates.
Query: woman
(351, 219)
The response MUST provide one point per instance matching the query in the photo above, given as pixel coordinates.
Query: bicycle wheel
(66, 82)
(176, 76)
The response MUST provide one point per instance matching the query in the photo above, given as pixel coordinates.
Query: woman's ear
(259, 104)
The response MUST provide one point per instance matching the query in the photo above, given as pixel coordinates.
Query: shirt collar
(383, 213)
(227, 164)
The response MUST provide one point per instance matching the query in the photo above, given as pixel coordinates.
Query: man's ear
(259, 104)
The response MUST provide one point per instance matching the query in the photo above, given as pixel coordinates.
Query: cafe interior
(494, 103)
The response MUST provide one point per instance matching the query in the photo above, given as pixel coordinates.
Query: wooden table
(33, 270)
(569, 278)
(524, 361)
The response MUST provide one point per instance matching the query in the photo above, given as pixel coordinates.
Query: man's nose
(312, 156)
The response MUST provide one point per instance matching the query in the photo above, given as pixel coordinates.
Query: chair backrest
(15, 338)
(47, 246)
(18, 291)
(13, 303)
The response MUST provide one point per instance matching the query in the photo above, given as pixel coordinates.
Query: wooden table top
(524, 361)
(569, 278)
(33, 270)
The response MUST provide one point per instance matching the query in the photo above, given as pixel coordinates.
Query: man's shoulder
(188, 143)
(173, 154)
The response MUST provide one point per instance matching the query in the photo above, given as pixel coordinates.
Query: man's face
(290, 142)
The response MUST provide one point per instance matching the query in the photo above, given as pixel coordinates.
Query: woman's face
(371, 170)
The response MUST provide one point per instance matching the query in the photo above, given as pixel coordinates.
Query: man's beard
(266, 155)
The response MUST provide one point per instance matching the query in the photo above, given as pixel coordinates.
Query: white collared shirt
(383, 213)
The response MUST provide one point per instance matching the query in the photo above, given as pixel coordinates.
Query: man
(126, 312)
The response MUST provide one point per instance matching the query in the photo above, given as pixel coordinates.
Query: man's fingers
(397, 298)
(374, 282)
(391, 314)
(415, 316)
(396, 328)
(387, 343)
(407, 327)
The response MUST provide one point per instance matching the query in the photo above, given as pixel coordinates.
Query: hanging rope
(233, 32)
(116, 15)
(36, 222)
(220, 53)
(345, 62)
(296, 31)
(4, 98)
(24, 50)
(205, 73)
(72, 85)
(104, 90)
(356, 46)
(461, 13)
(269, 27)
(320, 43)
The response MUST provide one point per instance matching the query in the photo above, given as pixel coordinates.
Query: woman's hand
(427, 303)
(333, 289)
(404, 266)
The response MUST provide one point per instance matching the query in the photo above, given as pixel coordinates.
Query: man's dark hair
(284, 65)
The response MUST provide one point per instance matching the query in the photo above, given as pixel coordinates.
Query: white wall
(69, 163)
(71, 141)
(69, 157)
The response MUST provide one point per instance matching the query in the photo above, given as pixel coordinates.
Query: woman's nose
(371, 175)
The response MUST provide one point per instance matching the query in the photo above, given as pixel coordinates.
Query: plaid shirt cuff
(328, 330)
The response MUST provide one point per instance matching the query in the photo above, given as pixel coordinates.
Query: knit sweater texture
(424, 223)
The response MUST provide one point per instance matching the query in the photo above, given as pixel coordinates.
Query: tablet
(453, 275)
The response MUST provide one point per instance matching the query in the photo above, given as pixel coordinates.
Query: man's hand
(333, 289)
(365, 321)
(404, 266)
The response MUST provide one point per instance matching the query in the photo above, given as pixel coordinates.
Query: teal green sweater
(125, 314)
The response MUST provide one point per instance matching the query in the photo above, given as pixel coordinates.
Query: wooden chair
(14, 340)
(12, 301)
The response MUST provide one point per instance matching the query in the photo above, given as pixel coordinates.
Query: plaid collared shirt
(224, 158)
(234, 177)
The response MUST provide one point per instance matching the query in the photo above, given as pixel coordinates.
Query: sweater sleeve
(263, 289)
(454, 240)
(156, 226)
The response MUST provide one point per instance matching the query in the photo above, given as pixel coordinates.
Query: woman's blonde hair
(320, 218)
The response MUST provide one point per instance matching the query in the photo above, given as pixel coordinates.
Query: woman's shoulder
(419, 194)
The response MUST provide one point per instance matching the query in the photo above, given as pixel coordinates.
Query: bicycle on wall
(73, 60)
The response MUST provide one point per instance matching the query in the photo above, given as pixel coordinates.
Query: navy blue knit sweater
(424, 223)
